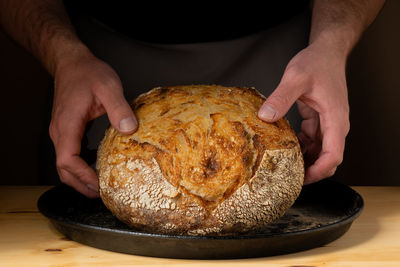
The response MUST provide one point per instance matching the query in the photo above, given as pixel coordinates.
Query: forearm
(339, 24)
(43, 28)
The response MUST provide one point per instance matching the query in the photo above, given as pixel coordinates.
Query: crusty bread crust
(200, 163)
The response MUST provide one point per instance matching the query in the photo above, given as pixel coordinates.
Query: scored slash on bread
(200, 163)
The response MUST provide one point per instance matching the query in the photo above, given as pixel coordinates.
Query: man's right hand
(85, 88)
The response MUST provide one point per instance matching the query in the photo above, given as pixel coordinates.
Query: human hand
(315, 79)
(85, 88)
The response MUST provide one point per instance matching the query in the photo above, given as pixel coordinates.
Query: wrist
(66, 54)
(335, 43)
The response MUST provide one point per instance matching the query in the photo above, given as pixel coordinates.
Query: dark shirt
(193, 22)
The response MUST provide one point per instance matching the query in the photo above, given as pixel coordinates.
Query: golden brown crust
(200, 163)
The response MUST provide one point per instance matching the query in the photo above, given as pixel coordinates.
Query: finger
(310, 128)
(69, 179)
(305, 111)
(310, 139)
(334, 129)
(118, 110)
(305, 142)
(281, 100)
(310, 123)
(329, 174)
(309, 132)
(79, 168)
(68, 145)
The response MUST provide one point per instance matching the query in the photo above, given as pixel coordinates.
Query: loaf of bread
(200, 163)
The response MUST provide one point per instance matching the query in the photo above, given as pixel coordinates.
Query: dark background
(371, 156)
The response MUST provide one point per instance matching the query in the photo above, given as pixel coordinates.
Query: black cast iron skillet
(323, 212)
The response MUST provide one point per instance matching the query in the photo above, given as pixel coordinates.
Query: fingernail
(267, 112)
(91, 187)
(127, 124)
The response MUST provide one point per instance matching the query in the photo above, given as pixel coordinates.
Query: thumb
(119, 111)
(278, 103)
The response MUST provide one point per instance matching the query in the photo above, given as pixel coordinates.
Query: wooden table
(28, 239)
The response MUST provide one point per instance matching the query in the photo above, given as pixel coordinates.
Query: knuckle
(295, 74)
(97, 86)
(52, 132)
(62, 162)
(62, 176)
(337, 159)
(118, 109)
(63, 179)
(54, 129)
(346, 126)
(332, 172)
(279, 99)
(105, 84)
(343, 116)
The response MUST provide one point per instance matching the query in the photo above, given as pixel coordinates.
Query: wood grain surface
(28, 239)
